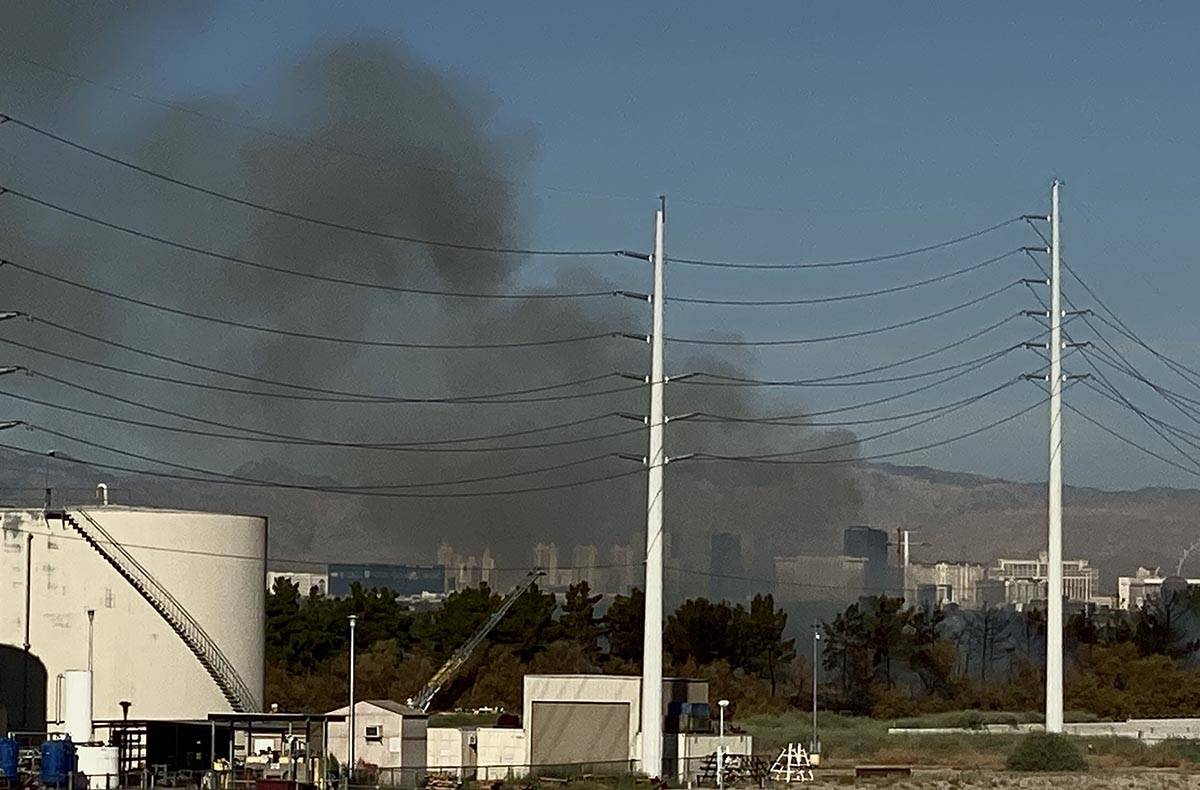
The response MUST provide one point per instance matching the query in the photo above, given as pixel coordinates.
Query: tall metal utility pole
(1054, 584)
(351, 732)
(652, 706)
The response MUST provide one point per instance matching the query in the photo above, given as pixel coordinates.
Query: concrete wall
(500, 753)
(214, 565)
(1149, 730)
(447, 749)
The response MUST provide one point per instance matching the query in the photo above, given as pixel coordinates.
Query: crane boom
(459, 658)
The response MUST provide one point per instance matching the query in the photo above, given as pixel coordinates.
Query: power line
(741, 380)
(877, 456)
(849, 335)
(334, 395)
(848, 296)
(221, 478)
(274, 438)
(1121, 327)
(1131, 442)
(354, 341)
(324, 278)
(374, 487)
(1169, 394)
(713, 418)
(499, 399)
(882, 400)
(733, 381)
(279, 212)
(1175, 365)
(850, 261)
(294, 440)
(1187, 437)
(141, 404)
(881, 435)
(1099, 373)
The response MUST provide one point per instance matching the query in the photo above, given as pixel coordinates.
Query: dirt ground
(1141, 779)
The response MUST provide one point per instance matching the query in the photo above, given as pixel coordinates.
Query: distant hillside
(962, 516)
(971, 517)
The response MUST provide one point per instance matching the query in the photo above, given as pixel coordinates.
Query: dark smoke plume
(417, 154)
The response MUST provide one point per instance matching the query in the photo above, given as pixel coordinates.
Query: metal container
(58, 763)
(100, 764)
(10, 756)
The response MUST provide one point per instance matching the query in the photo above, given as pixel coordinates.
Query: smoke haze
(418, 153)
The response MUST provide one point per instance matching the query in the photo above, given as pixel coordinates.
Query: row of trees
(880, 657)
(889, 660)
(740, 650)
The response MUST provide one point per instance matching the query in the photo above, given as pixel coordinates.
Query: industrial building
(1146, 586)
(953, 582)
(482, 753)
(306, 581)
(571, 724)
(404, 580)
(1026, 579)
(809, 577)
(388, 735)
(596, 719)
(166, 606)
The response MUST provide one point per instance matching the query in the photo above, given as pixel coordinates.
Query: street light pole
(350, 731)
(814, 747)
(722, 704)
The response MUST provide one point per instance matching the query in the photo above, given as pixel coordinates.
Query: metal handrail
(184, 623)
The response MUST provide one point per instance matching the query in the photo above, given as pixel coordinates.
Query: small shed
(388, 735)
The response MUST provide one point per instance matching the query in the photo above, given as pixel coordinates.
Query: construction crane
(459, 658)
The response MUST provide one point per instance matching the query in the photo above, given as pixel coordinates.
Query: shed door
(579, 732)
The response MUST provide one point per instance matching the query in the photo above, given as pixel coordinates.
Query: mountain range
(953, 515)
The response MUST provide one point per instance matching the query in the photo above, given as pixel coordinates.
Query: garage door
(579, 732)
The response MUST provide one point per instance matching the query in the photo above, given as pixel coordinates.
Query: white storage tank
(76, 705)
(211, 565)
(100, 764)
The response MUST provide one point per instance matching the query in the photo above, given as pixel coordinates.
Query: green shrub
(1041, 751)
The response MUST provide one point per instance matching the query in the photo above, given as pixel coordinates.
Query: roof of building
(596, 676)
(396, 707)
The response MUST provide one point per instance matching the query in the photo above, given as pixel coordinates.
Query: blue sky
(792, 131)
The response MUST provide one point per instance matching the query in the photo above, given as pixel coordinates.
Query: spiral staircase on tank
(203, 647)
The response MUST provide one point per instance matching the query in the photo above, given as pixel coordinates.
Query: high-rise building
(487, 568)
(447, 557)
(726, 570)
(625, 570)
(872, 545)
(468, 572)
(585, 566)
(545, 557)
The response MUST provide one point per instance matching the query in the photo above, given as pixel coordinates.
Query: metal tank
(10, 759)
(178, 599)
(58, 763)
